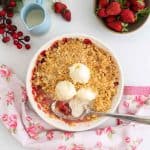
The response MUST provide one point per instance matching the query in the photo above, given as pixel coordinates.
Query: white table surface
(133, 50)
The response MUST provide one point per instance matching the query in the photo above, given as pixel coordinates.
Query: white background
(133, 50)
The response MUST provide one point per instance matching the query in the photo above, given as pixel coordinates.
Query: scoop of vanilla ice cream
(86, 94)
(79, 73)
(76, 107)
(65, 90)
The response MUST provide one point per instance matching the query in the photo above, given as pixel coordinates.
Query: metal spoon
(87, 111)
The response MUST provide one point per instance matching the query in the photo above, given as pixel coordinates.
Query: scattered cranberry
(2, 13)
(8, 21)
(15, 36)
(9, 27)
(20, 33)
(6, 39)
(8, 30)
(16, 42)
(1, 31)
(19, 46)
(27, 46)
(27, 38)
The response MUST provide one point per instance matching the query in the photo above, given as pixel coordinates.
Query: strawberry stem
(125, 27)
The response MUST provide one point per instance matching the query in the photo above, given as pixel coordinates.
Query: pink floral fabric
(31, 131)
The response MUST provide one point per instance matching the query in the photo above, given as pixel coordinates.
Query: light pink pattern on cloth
(32, 132)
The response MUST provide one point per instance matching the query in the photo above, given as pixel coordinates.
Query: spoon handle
(135, 118)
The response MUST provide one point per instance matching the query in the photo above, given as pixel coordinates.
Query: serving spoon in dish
(88, 111)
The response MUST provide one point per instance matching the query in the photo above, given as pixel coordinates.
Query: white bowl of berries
(123, 16)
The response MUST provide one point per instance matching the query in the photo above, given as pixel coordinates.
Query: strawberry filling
(64, 108)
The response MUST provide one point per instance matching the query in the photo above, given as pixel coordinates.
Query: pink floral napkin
(32, 132)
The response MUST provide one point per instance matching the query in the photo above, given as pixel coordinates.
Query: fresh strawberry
(102, 13)
(114, 8)
(137, 5)
(117, 26)
(103, 3)
(59, 7)
(127, 16)
(110, 19)
(66, 15)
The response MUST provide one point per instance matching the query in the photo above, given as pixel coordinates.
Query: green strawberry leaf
(142, 13)
(122, 2)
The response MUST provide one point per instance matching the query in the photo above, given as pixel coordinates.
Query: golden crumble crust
(52, 67)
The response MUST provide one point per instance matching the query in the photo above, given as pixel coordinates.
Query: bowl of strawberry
(123, 15)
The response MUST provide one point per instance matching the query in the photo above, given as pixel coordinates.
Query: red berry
(8, 21)
(103, 3)
(102, 13)
(16, 42)
(9, 27)
(15, 36)
(127, 16)
(2, 26)
(6, 39)
(66, 15)
(12, 3)
(20, 33)
(110, 19)
(27, 38)
(19, 46)
(1, 31)
(27, 46)
(116, 25)
(114, 8)
(2, 13)
(59, 7)
(87, 41)
(137, 5)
